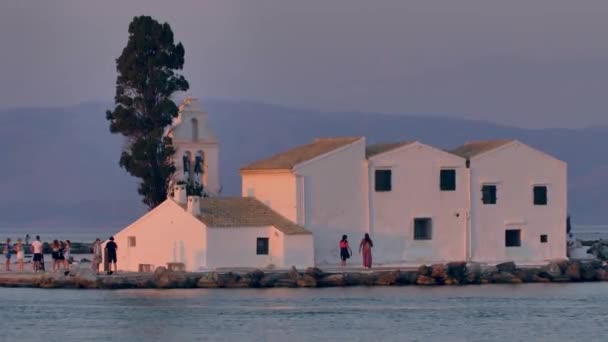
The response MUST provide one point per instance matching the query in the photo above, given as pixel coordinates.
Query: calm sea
(532, 312)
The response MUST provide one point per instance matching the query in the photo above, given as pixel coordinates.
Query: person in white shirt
(37, 251)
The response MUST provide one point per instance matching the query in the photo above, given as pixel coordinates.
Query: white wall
(166, 234)
(299, 251)
(334, 199)
(275, 189)
(416, 193)
(515, 169)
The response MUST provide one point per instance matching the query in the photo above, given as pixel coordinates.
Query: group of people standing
(60, 252)
(365, 248)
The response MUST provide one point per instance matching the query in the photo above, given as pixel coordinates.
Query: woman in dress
(8, 250)
(19, 249)
(366, 247)
(345, 251)
(66, 254)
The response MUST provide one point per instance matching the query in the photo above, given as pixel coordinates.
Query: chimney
(179, 193)
(194, 205)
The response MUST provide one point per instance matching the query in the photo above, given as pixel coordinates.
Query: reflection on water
(534, 312)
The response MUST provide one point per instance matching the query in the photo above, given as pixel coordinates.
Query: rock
(315, 272)
(85, 278)
(505, 278)
(277, 280)
(424, 270)
(85, 260)
(602, 274)
(599, 250)
(573, 271)
(554, 270)
(438, 272)
(307, 280)
(387, 278)
(451, 281)
(360, 279)
(255, 277)
(507, 267)
(208, 281)
(457, 271)
(332, 280)
(166, 279)
(589, 270)
(294, 274)
(487, 274)
(473, 274)
(528, 275)
(407, 278)
(425, 280)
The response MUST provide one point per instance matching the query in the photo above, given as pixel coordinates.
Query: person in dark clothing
(111, 248)
(345, 251)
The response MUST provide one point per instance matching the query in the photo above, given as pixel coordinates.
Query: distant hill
(60, 165)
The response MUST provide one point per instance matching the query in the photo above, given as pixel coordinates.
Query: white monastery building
(200, 233)
(486, 201)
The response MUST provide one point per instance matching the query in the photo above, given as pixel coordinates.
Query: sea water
(530, 312)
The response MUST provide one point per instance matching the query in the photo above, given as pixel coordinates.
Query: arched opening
(186, 164)
(199, 161)
(194, 129)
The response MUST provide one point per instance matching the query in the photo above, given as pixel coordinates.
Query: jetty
(450, 274)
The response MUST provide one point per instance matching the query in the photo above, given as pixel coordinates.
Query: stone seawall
(455, 273)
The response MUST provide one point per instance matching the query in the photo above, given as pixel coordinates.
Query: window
(186, 162)
(447, 180)
(540, 195)
(488, 194)
(423, 229)
(383, 180)
(131, 242)
(194, 129)
(512, 238)
(544, 238)
(262, 246)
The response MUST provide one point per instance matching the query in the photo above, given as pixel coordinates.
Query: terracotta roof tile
(244, 212)
(474, 148)
(376, 149)
(287, 160)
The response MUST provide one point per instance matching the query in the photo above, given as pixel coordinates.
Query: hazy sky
(532, 63)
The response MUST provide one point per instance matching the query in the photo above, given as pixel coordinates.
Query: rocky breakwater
(455, 273)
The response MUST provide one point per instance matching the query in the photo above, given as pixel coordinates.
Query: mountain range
(60, 164)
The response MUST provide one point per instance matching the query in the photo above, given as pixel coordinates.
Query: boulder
(589, 270)
(599, 250)
(208, 281)
(85, 278)
(307, 280)
(166, 279)
(505, 278)
(387, 278)
(426, 280)
(332, 280)
(573, 271)
(438, 272)
(315, 272)
(424, 270)
(528, 275)
(407, 278)
(554, 270)
(457, 271)
(281, 279)
(360, 279)
(294, 274)
(507, 267)
(473, 273)
(487, 274)
(255, 277)
(602, 274)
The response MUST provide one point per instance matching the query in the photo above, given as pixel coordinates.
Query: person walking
(111, 248)
(20, 254)
(345, 251)
(37, 251)
(365, 247)
(8, 249)
(96, 255)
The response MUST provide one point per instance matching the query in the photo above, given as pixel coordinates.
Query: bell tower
(196, 147)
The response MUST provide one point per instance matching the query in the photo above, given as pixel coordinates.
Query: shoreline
(450, 274)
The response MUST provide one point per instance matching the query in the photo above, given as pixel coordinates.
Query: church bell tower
(196, 147)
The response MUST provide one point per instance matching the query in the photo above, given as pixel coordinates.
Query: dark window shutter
(383, 180)
(447, 180)
(540, 195)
